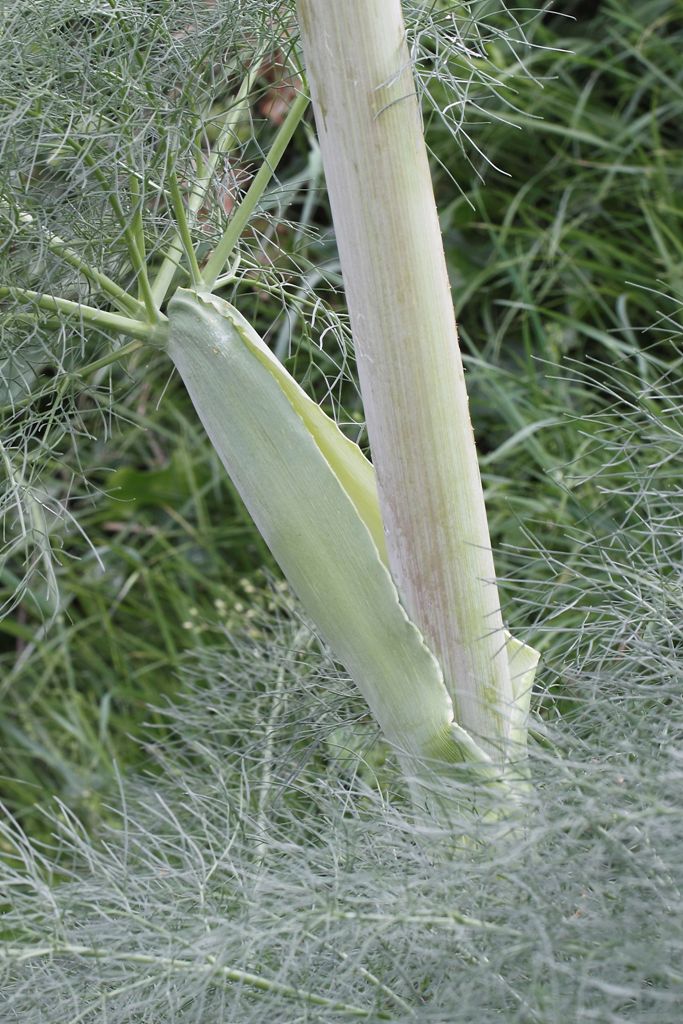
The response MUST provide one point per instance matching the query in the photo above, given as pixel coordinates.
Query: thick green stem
(88, 314)
(411, 373)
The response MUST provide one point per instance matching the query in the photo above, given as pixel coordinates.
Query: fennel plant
(405, 596)
(267, 866)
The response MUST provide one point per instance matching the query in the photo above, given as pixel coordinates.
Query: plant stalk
(88, 314)
(240, 217)
(126, 303)
(411, 375)
(227, 139)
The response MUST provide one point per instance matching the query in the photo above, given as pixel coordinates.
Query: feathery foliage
(264, 855)
(273, 867)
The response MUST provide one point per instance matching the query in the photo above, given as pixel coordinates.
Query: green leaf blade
(298, 503)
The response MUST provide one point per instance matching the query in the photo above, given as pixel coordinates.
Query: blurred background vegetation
(565, 248)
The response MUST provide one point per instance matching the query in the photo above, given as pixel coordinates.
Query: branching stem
(135, 255)
(240, 217)
(226, 141)
(97, 364)
(88, 314)
(111, 357)
(138, 227)
(183, 228)
(119, 296)
(180, 965)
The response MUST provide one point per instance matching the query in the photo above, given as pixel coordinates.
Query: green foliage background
(563, 226)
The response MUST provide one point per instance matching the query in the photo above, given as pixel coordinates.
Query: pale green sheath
(313, 497)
